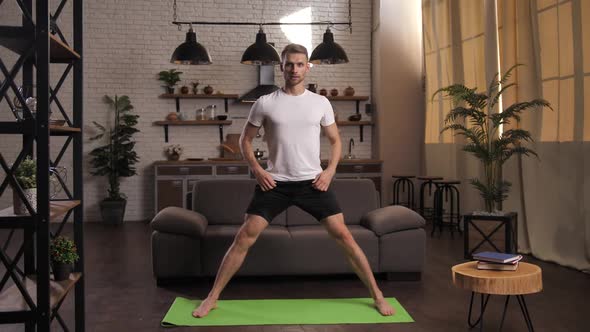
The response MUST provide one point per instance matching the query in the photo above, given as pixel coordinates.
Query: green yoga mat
(284, 312)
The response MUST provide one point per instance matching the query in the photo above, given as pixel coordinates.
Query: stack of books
(489, 260)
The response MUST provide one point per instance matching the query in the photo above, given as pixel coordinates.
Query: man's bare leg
(233, 259)
(338, 230)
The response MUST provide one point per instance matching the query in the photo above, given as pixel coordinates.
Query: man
(292, 118)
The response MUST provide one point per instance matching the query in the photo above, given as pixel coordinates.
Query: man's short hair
(294, 48)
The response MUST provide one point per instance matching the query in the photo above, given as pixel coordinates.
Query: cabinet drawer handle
(232, 169)
(183, 170)
(177, 183)
(358, 168)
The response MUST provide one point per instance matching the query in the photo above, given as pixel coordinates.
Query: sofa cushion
(267, 255)
(315, 251)
(392, 219)
(224, 202)
(356, 197)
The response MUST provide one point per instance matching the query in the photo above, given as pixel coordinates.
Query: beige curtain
(552, 39)
(454, 53)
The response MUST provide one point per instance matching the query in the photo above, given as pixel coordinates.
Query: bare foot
(204, 308)
(384, 307)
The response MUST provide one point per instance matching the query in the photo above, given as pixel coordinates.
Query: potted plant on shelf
(63, 254)
(117, 157)
(474, 118)
(26, 176)
(170, 78)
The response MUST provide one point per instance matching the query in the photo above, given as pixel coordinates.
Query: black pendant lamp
(261, 52)
(328, 52)
(190, 52)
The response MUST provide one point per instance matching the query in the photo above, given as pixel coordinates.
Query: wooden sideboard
(175, 179)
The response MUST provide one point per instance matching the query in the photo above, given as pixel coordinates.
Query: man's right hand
(265, 180)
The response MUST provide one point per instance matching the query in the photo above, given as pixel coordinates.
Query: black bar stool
(427, 212)
(447, 190)
(399, 186)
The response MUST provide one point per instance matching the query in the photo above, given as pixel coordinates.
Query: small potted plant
(63, 254)
(195, 87)
(170, 78)
(26, 176)
(117, 157)
(173, 152)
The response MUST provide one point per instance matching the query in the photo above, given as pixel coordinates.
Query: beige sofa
(192, 243)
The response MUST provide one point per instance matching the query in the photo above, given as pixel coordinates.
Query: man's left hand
(322, 181)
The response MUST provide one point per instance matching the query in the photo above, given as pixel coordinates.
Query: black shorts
(269, 204)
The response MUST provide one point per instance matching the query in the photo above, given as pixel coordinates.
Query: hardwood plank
(60, 52)
(347, 98)
(12, 300)
(193, 123)
(199, 96)
(57, 130)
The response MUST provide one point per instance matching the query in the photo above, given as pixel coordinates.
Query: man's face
(294, 67)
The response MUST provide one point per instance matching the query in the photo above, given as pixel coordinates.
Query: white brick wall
(128, 42)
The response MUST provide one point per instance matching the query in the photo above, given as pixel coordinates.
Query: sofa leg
(403, 276)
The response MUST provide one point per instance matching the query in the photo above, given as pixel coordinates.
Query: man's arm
(264, 179)
(322, 181)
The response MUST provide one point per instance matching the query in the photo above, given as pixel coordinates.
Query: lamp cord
(174, 17)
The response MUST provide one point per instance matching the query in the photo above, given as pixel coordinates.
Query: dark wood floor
(121, 294)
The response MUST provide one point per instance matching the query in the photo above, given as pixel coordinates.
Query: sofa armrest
(391, 219)
(181, 221)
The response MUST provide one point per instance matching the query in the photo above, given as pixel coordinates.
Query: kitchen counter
(219, 161)
(174, 180)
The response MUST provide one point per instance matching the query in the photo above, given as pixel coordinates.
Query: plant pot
(334, 92)
(19, 206)
(184, 90)
(170, 89)
(173, 157)
(61, 271)
(208, 90)
(112, 212)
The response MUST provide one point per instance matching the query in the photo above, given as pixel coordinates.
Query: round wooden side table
(527, 279)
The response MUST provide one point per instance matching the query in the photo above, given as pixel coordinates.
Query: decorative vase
(61, 271)
(19, 206)
(323, 92)
(208, 90)
(334, 92)
(184, 90)
(349, 91)
(173, 156)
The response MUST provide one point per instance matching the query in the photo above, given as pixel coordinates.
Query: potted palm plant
(170, 78)
(63, 254)
(473, 117)
(117, 157)
(26, 176)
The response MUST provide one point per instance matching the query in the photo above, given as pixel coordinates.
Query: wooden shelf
(18, 40)
(193, 123)
(354, 123)
(199, 96)
(56, 208)
(348, 98)
(60, 52)
(12, 300)
(62, 130)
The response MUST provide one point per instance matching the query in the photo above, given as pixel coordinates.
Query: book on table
(512, 266)
(497, 257)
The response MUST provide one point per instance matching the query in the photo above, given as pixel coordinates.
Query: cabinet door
(169, 193)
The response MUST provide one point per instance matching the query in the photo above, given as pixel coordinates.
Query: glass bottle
(201, 114)
(212, 111)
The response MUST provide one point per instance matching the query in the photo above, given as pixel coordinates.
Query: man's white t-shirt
(292, 132)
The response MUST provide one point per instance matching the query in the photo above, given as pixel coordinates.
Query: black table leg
(504, 311)
(525, 312)
(482, 309)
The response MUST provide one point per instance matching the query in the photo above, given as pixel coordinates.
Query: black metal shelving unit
(28, 295)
